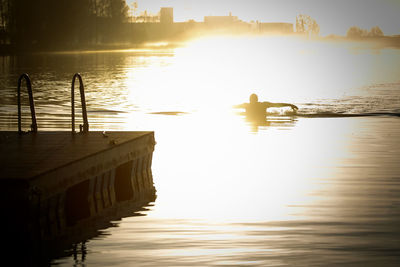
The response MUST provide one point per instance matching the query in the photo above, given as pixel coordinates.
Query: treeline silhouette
(57, 24)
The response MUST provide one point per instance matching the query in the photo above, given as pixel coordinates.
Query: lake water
(318, 189)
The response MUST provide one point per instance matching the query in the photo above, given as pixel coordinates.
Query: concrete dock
(52, 181)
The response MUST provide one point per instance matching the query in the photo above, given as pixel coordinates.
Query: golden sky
(333, 16)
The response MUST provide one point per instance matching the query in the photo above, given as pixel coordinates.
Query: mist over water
(303, 190)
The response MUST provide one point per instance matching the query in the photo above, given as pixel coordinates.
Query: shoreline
(10, 50)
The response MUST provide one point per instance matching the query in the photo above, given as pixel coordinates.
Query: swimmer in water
(256, 108)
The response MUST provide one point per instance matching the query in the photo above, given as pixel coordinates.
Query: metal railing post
(85, 127)
(31, 103)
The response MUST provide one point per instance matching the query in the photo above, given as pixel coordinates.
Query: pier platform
(52, 182)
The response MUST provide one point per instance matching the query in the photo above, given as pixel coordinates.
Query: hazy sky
(333, 16)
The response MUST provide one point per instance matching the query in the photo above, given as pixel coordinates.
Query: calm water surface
(310, 190)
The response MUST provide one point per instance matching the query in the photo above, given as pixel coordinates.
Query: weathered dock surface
(50, 163)
(53, 183)
(53, 159)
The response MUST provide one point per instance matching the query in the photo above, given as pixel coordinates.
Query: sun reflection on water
(216, 73)
(219, 172)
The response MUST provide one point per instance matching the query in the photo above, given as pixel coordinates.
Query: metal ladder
(31, 103)
(85, 127)
(82, 128)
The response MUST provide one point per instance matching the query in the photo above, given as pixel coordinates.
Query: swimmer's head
(253, 98)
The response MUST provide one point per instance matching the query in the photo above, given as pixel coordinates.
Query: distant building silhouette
(147, 27)
(167, 15)
(230, 24)
(220, 21)
(275, 27)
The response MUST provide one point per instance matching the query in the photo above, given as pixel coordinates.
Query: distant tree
(135, 7)
(307, 25)
(60, 23)
(115, 9)
(114, 14)
(300, 27)
(375, 32)
(3, 9)
(356, 32)
(118, 10)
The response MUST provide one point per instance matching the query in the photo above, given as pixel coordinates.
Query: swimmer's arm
(280, 105)
(240, 106)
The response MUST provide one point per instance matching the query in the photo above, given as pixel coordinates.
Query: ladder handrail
(31, 103)
(85, 127)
